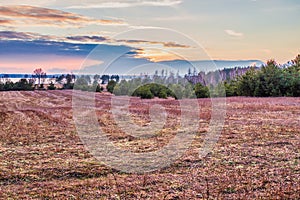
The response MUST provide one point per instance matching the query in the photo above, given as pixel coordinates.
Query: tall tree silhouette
(39, 73)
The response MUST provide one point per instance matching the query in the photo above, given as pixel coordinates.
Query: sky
(74, 35)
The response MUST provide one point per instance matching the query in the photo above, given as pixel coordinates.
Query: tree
(39, 74)
(105, 79)
(271, 80)
(110, 86)
(201, 91)
(296, 62)
(115, 77)
(143, 92)
(123, 88)
(177, 89)
(96, 87)
(188, 91)
(231, 88)
(151, 90)
(81, 84)
(51, 86)
(8, 86)
(87, 78)
(97, 78)
(189, 72)
(292, 78)
(23, 84)
(68, 84)
(69, 78)
(248, 83)
(60, 78)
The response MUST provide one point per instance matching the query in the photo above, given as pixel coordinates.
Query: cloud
(5, 22)
(155, 55)
(89, 4)
(234, 33)
(123, 4)
(51, 40)
(30, 15)
(175, 45)
(12, 35)
(89, 39)
(30, 2)
(28, 36)
(164, 44)
(129, 42)
(58, 70)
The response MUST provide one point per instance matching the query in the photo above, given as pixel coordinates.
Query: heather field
(42, 157)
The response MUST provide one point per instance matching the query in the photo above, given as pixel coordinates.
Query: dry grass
(42, 157)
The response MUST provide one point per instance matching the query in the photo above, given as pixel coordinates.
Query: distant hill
(139, 65)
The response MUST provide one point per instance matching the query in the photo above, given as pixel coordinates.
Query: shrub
(111, 85)
(201, 91)
(51, 86)
(151, 90)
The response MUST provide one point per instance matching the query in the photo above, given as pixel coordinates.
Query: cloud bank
(22, 15)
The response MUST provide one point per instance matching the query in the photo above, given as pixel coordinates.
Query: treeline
(85, 82)
(21, 85)
(24, 85)
(68, 81)
(160, 87)
(271, 80)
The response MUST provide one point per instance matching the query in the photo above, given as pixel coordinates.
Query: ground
(42, 156)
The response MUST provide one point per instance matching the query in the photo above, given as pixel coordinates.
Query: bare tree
(39, 74)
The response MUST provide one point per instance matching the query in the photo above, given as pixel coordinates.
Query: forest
(270, 80)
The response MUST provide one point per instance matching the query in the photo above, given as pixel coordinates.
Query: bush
(98, 88)
(230, 88)
(201, 91)
(144, 93)
(21, 85)
(151, 90)
(51, 86)
(111, 85)
(68, 86)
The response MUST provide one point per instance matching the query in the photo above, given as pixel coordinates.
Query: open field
(42, 157)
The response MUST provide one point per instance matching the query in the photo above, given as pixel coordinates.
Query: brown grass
(42, 157)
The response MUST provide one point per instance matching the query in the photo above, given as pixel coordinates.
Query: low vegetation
(42, 157)
(23, 84)
(151, 90)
